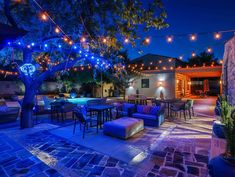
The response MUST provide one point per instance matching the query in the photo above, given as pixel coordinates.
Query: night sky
(191, 16)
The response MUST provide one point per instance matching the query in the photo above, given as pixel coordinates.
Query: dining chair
(181, 107)
(190, 102)
(81, 117)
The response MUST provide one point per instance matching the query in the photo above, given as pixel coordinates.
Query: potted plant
(224, 164)
(218, 125)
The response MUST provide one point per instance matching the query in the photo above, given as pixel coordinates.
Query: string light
(217, 36)
(126, 40)
(71, 42)
(104, 40)
(65, 39)
(209, 50)
(57, 30)
(193, 37)
(181, 57)
(147, 40)
(193, 54)
(43, 16)
(169, 39)
(83, 39)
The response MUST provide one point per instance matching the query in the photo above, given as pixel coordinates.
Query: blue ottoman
(124, 127)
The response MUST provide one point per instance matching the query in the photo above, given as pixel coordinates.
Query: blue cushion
(154, 110)
(126, 106)
(3, 108)
(143, 116)
(140, 109)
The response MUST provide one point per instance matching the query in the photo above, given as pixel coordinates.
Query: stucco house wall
(158, 82)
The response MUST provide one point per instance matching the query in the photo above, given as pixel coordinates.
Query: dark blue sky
(192, 16)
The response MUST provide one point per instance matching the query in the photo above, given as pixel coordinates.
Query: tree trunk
(26, 118)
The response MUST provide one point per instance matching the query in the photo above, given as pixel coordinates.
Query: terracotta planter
(221, 166)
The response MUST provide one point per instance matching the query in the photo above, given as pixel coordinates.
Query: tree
(203, 58)
(96, 26)
(123, 77)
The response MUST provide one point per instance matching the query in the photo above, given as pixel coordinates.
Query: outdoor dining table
(168, 102)
(100, 109)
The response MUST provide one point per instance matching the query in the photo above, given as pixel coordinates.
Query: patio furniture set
(121, 120)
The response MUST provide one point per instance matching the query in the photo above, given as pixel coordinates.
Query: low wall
(12, 87)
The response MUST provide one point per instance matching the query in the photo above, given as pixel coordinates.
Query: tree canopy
(95, 20)
(204, 58)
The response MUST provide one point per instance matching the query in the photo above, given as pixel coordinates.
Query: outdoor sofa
(9, 114)
(151, 115)
(124, 109)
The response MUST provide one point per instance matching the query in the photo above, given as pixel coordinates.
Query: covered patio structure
(198, 81)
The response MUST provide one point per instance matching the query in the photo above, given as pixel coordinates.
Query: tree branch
(57, 68)
(7, 11)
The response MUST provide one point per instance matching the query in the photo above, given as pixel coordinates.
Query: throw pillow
(140, 109)
(146, 109)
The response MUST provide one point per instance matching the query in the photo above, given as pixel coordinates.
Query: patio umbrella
(9, 33)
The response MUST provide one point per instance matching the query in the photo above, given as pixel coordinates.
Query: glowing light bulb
(83, 39)
(147, 40)
(209, 50)
(43, 16)
(169, 39)
(71, 42)
(104, 40)
(126, 40)
(60, 46)
(65, 39)
(193, 54)
(217, 36)
(193, 37)
(57, 30)
(181, 57)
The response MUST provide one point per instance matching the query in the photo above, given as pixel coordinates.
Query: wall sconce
(160, 83)
(220, 82)
(130, 84)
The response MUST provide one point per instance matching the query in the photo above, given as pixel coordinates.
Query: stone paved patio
(181, 150)
(16, 161)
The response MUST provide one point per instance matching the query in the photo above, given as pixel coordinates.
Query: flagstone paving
(181, 150)
(16, 161)
(169, 157)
